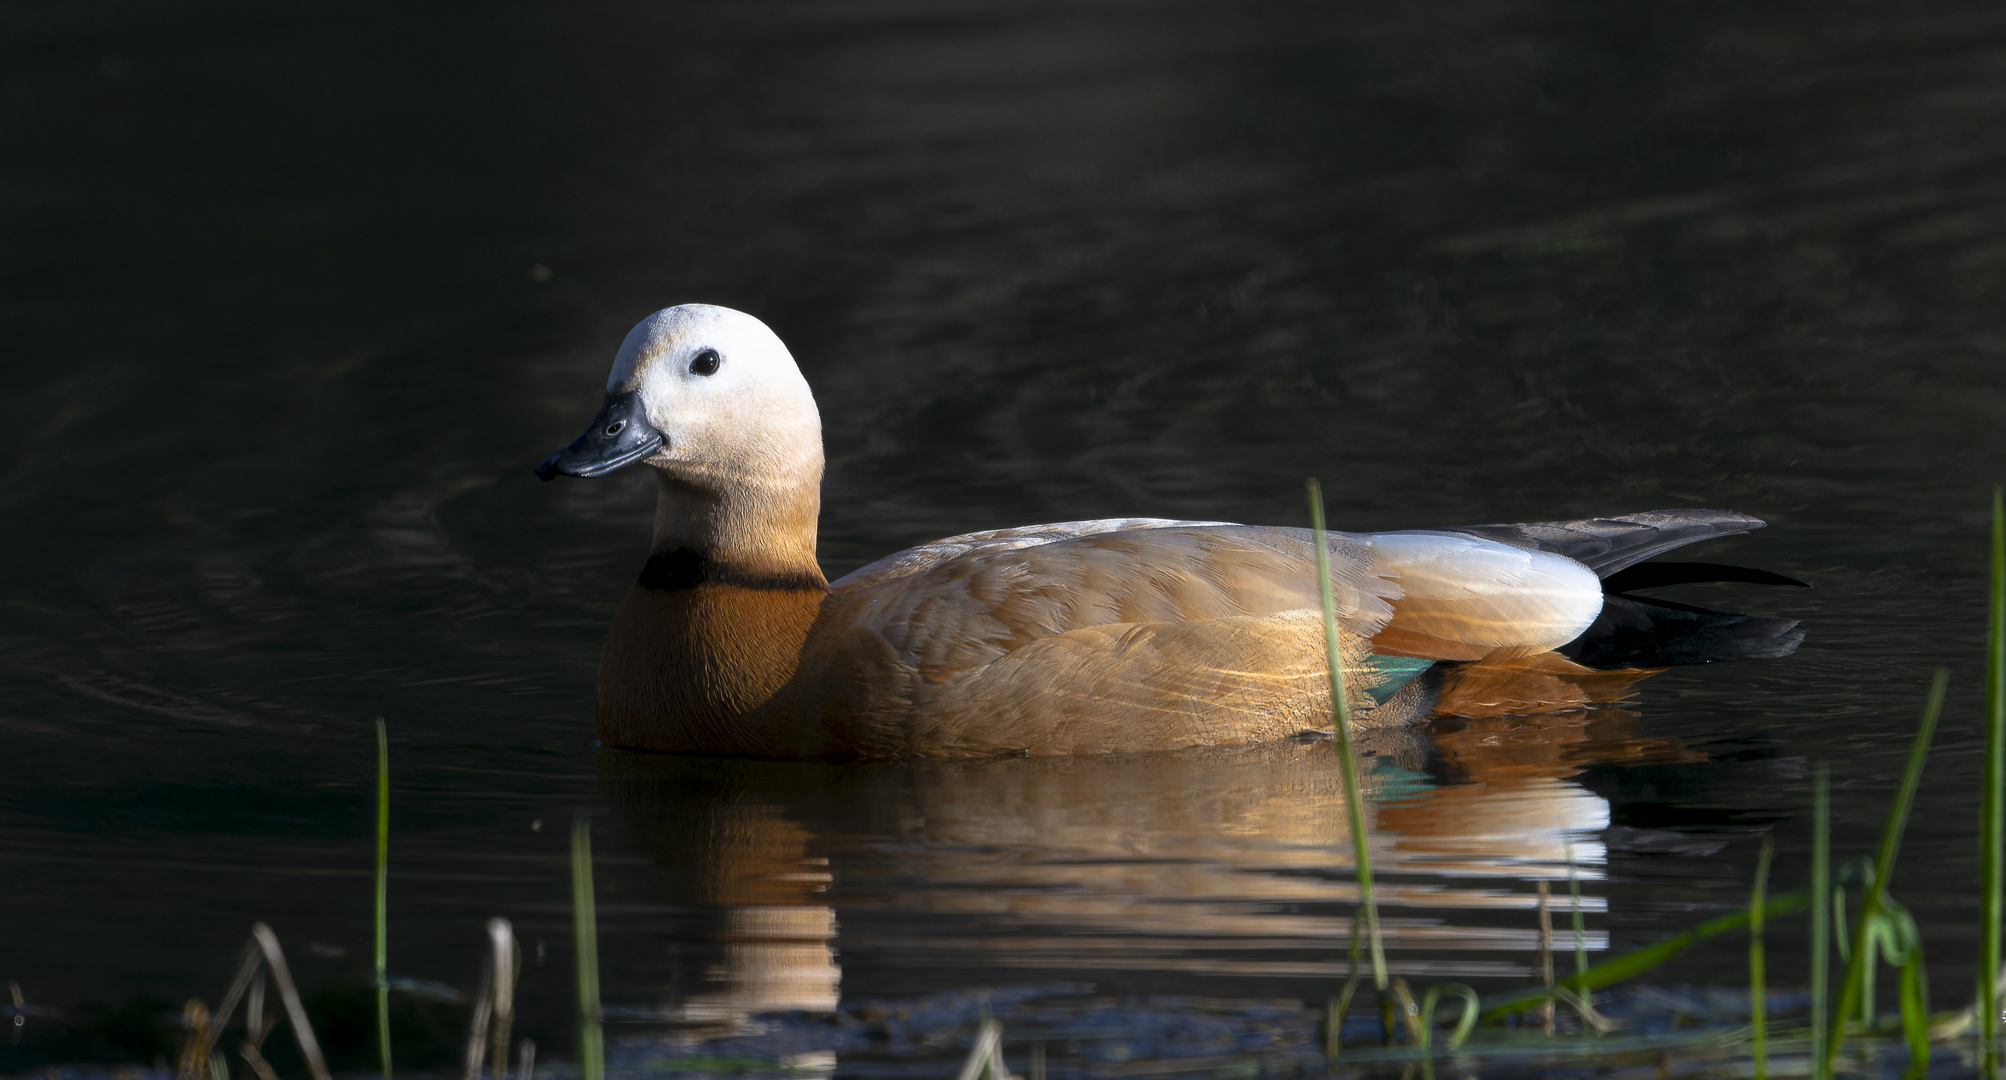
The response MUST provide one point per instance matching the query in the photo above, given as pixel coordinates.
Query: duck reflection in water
(1230, 863)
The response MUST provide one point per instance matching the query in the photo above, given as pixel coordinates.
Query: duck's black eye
(706, 362)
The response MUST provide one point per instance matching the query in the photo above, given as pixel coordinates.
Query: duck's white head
(710, 397)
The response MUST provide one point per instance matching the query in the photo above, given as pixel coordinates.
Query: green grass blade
(1991, 817)
(1870, 978)
(1758, 991)
(383, 894)
(1465, 1023)
(1821, 913)
(585, 938)
(1637, 961)
(1354, 801)
(1902, 941)
(1915, 1016)
(1852, 988)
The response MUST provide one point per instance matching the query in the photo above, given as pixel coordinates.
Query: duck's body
(1112, 636)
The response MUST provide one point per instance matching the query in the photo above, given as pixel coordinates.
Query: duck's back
(1143, 634)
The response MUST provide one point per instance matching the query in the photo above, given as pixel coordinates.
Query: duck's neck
(704, 649)
(755, 533)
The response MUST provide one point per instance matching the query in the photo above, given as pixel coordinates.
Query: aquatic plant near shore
(1415, 1016)
(494, 1005)
(1340, 711)
(205, 1028)
(1879, 920)
(585, 936)
(1758, 991)
(1821, 913)
(1882, 929)
(985, 1056)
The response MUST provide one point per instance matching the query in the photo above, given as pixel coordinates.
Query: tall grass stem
(383, 894)
(1340, 704)
(585, 938)
(282, 976)
(1758, 988)
(247, 972)
(1821, 917)
(256, 1060)
(1852, 986)
(985, 1055)
(507, 962)
(477, 1026)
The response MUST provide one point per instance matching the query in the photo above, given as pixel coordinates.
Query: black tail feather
(1651, 575)
(1608, 545)
(1633, 632)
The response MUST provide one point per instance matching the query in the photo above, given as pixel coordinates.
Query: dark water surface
(294, 297)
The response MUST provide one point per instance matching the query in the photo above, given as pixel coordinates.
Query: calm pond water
(295, 297)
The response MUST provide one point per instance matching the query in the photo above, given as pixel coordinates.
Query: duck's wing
(1464, 597)
(969, 599)
(961, 603)
(1608, 545)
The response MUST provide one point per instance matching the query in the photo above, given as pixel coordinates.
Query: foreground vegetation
(1879, 928)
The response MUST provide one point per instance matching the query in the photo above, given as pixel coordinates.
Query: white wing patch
(1482, 595)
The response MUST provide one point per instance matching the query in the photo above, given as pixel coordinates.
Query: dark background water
(294, 296)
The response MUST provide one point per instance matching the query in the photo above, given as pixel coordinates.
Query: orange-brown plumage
(713, 657)
(1115, 636)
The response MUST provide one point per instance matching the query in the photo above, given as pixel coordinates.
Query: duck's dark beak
(619, 435)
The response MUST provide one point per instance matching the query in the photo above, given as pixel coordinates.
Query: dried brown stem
(275, 958)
